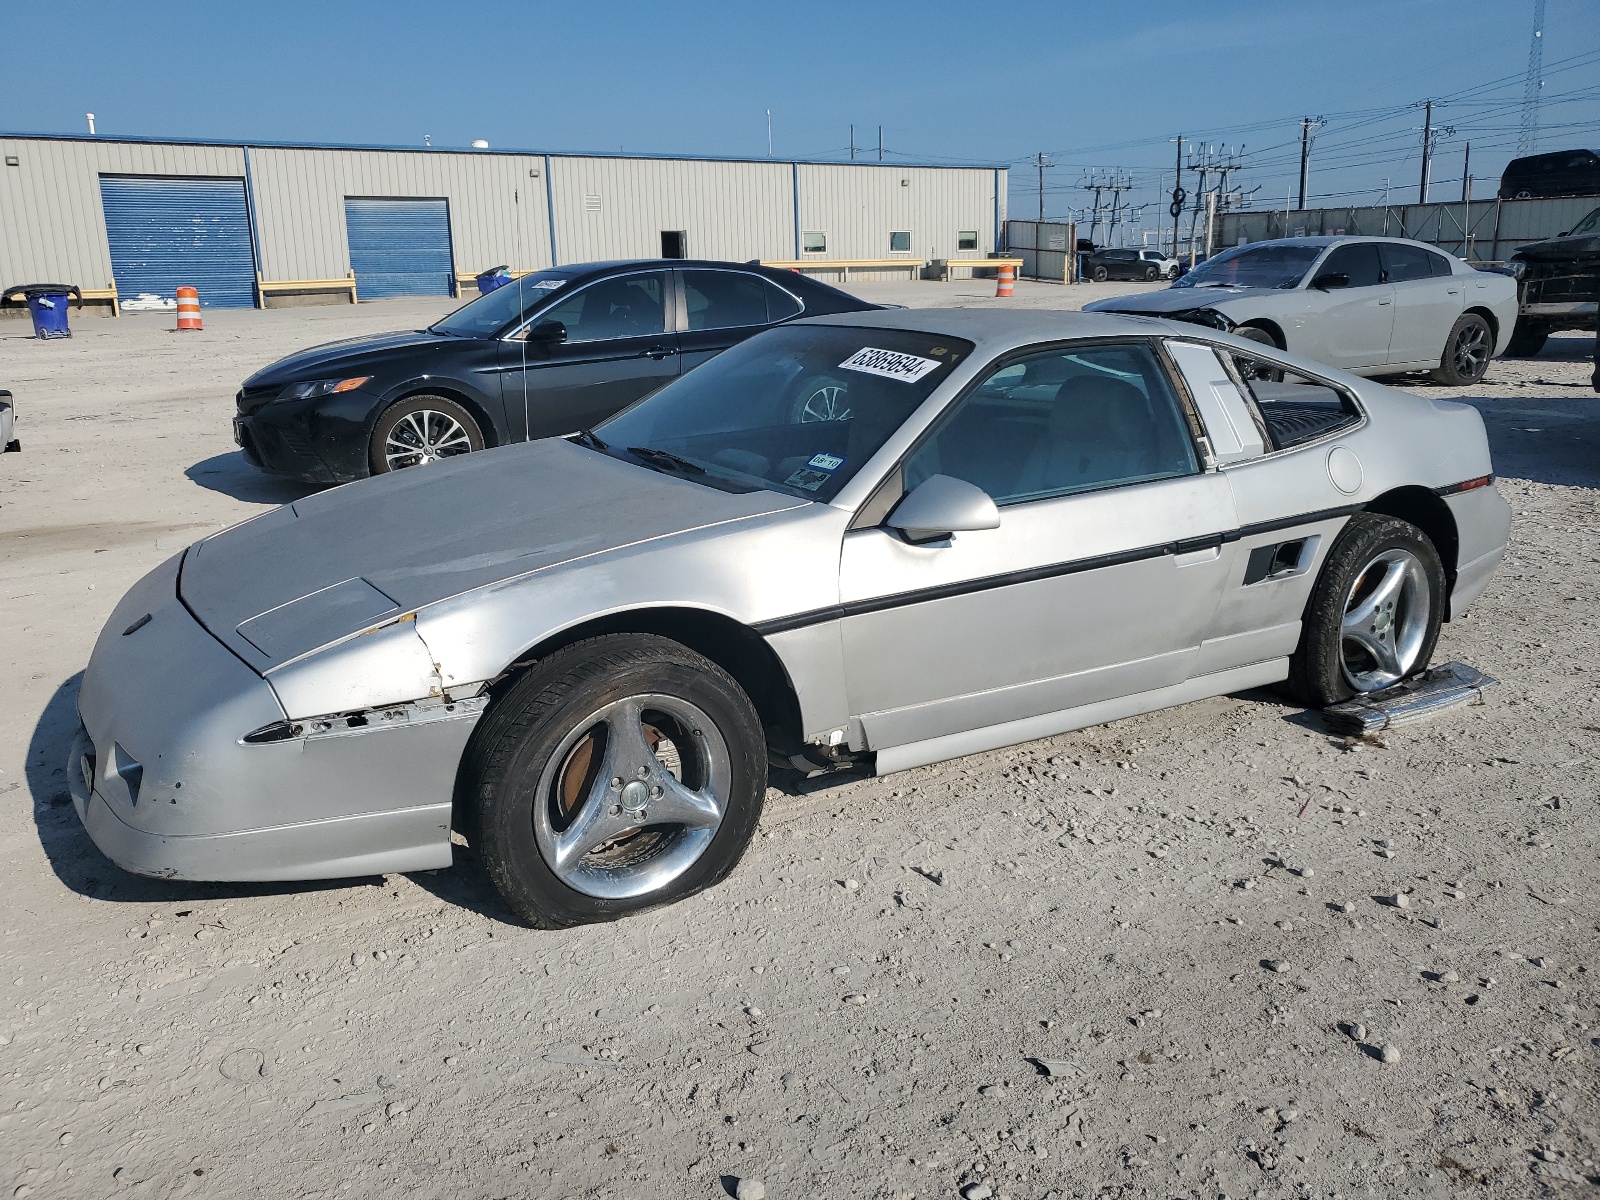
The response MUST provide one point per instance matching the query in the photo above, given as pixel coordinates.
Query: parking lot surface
(1149, 959)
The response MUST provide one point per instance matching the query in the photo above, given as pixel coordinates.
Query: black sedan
(552, 352)
(1145, 264)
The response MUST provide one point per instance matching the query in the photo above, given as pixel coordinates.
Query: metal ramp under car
(1432, 692)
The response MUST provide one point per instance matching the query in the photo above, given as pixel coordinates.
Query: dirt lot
(857, 1011)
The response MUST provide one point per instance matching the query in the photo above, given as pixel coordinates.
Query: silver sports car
(1375, 306)
(853, 544)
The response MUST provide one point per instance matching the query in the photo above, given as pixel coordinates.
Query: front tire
(621, 773)
(420, 430)
(1466, 352)
(1373, 617)
(1151, 274)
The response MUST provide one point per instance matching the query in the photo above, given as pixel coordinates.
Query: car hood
(328, 360)
(1178, 300)
(1561, 249)
(313, 572)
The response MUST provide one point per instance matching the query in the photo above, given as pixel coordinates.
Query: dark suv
(550, 353)
(1558, 285)
(1564, 173)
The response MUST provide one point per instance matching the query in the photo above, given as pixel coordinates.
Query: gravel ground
(1149, 959)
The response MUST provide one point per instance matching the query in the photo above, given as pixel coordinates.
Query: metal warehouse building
(264, 224)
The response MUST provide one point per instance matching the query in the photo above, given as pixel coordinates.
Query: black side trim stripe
(967, 587)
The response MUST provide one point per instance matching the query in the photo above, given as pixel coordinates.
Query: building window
(900, 242)
(967, 239)
(814, 242)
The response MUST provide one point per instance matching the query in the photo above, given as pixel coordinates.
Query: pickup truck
(1558, 285)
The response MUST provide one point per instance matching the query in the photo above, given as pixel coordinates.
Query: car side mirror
(549, 333)
(940, 506)
(1330, 281)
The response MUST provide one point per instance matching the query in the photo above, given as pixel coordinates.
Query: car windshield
(1590, 224)
(509, 302)
(1266, 266)
(797, 410)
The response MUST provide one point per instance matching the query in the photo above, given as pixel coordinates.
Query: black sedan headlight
(312, 388)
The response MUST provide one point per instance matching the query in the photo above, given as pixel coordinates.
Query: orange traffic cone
(1005, 277)
(189, 308)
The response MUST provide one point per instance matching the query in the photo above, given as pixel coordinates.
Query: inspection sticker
(890, 364)
(545, 285)
(826, 462)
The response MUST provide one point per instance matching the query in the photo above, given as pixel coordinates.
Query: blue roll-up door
(168, 232)
(400, 247)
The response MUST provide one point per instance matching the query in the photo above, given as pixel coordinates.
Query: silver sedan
(1375, 306)
(852, 545)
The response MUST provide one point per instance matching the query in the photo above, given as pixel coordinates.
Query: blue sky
(1091, 84)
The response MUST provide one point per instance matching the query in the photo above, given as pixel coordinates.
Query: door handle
(1383, 301)
(659, 352)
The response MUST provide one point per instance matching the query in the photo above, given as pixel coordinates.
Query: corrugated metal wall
(1482, 231)
(497, 205)
(52, 229)
(859, 206)
(617, 208)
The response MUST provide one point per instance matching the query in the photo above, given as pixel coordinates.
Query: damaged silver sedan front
(856, 545)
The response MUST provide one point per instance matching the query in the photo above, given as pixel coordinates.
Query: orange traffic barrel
(189, 308)
(1005, 277)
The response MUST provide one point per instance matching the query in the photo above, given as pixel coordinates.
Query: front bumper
(165, 786)
(323, 440)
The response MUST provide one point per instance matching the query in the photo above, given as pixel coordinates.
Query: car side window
(1403, 263)
(1358, 260)
(1061, 422)
(724, 299)
(1294, 408)
(780, 304)
(627, 306)
(1440, 264)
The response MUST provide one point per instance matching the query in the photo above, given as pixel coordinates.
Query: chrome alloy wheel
(423, 437)
(1470, 354)
(827, 403)
(1385, 621)
(632, 797)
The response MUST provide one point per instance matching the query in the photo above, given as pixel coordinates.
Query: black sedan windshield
(797, 410)
(1271, 266)
(491, 313)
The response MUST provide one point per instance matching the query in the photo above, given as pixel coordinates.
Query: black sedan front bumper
(319, 441)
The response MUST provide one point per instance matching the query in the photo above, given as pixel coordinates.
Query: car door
(616, 349)
(1427, 302)
(724, 306)
(1101, 580)
(1356, 319)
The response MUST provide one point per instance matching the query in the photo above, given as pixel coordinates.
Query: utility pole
(1528, 138)
(1307, 124)
(1178, 197)
(1042, 160)
(1427, 151)
(880, 143)
(852, 143)
(1466, 177)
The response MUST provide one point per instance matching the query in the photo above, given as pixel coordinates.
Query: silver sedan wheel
(423, 437)
(826, 403)
(1470, 353)
(632, 797)
(1385, 621)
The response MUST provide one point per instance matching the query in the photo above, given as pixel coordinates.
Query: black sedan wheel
(420, 430)
(1100, 274)
(620, 773)
(1466, 352)
(1373, 618)
(1151, 274)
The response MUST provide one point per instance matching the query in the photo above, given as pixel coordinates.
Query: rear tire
(621, 773)
(1100, 274)
(1374, 614)
(1466, 352)
(420, 430)
(1527, 340)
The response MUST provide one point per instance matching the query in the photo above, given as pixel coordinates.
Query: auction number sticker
(545, 285)
(890, 364)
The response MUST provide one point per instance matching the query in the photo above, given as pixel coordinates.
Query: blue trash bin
(492, 278)
(47, 305)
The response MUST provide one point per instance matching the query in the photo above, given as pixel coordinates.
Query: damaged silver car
(855, 544)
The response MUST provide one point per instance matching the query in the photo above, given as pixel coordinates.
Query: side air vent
(129, 768)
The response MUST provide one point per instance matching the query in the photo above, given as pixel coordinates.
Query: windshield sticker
(545, 285)
(890, 364)
(826, 462)
(807, 480)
